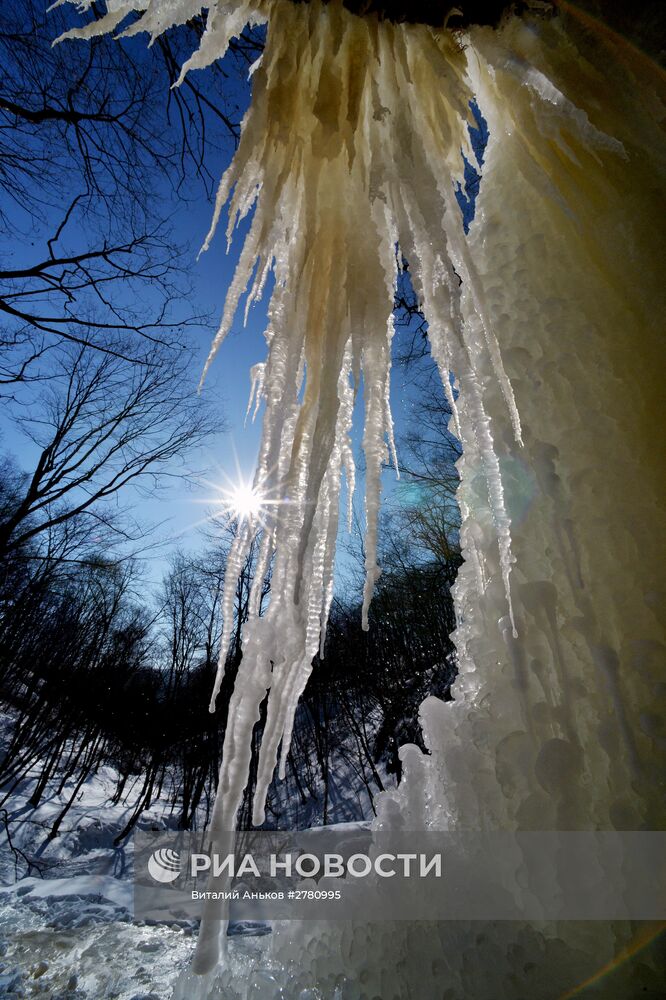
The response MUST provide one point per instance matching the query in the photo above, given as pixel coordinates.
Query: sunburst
(243, 501)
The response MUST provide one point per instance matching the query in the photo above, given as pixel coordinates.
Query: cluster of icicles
(350, 150)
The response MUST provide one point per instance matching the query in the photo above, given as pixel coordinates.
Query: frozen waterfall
(547, 314)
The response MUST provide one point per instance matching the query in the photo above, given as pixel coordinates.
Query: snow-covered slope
(66, 904)
(66, 928)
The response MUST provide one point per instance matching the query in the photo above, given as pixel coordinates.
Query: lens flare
(243, 501)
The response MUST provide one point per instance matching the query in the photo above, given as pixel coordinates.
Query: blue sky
(177, 510)
(183, 507)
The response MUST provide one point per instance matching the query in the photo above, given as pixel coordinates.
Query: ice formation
(352, 147)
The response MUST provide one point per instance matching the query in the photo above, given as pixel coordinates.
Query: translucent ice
(547, 316)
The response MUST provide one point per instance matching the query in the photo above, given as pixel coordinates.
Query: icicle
(350, 148)
(484, 440)
(257, 375)
(388, 416)
(235, 560)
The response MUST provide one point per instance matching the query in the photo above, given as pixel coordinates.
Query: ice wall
(563, 722)
(563, 726)
(548, 314)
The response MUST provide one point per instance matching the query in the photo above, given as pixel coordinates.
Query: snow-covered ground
(68, 932)
(74, 939)
(66, 923)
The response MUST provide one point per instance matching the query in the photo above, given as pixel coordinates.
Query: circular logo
(164, 865)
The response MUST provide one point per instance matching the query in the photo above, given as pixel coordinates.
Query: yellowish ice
(549, 315)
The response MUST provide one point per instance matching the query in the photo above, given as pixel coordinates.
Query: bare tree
(93, 144)
(99, 115)
(113, 297)
(101, 424)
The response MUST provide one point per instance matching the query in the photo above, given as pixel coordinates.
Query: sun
(253, 501)
(243, 501)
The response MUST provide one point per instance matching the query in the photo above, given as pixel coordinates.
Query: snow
(104, 888)
(82, 946)
(70, 933)
(76, 919)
